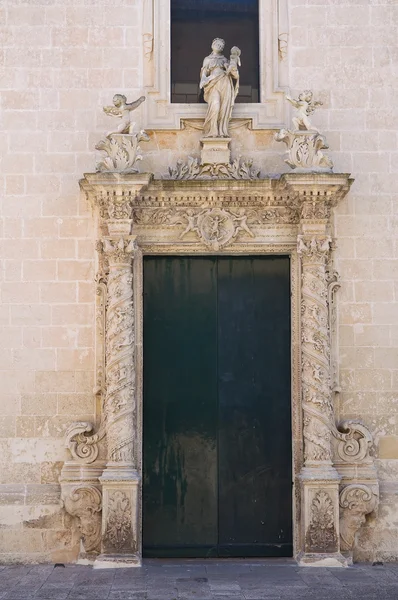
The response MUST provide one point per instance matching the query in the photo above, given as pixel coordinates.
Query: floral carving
(215, 227)
(192, 169)
(304, 150)
(356, 501)
(318, 411)
(333, 287)
(118, 529)
(119, 404)
(123, 152)
(84, 502)
(321, 534)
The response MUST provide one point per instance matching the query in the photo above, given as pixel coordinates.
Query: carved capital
(85, 503)
(314, 249)
(119, 252)
(356, 501)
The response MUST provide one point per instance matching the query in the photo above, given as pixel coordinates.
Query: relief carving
(353, 442)
(215, 227)
(118, 531)
(192, 169)
(83, 447)
(304, 142)
(119, 404)
(318, 411)
(321, 534)
(356, 501)
(84, 502)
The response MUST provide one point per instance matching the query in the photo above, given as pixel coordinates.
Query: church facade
(200, 281)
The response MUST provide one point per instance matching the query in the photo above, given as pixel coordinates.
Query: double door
(217, 409)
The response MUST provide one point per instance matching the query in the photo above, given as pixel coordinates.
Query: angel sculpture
(122, 109)
(305, 107)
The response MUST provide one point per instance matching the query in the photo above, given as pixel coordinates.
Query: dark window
(194, 25)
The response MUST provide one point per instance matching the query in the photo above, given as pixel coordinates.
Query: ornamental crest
(215, 227)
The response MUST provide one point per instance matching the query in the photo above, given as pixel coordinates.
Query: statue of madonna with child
(219, 79)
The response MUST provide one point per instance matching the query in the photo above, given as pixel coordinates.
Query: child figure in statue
(234, 63)
(305, 107)
(122, 109)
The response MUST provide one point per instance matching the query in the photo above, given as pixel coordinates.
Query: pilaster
(319, 480)
(120, 479)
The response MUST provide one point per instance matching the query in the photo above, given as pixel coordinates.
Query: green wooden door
(217, 427)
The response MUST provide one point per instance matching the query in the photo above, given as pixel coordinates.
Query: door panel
(254, 447)
(217, 432)
(180, 406)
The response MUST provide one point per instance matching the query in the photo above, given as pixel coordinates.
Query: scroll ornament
(84, 503)
(356, 501)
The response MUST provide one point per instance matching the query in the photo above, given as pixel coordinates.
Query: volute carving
(356, 501)
(354, 441)
(84, 503)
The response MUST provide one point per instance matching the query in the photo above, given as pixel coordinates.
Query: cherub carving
(305, 107)
(122, 109)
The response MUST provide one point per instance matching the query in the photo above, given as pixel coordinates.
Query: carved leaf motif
(321, 535)
(238, 169)
(118, 531)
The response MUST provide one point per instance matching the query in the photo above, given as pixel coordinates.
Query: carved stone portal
(334, 476)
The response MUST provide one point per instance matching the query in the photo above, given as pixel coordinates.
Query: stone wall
(347, 52)
(62, 61)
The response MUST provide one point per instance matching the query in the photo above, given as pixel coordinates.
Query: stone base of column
(321, 560)
(320, 518)
(115, 561)
(120, 546)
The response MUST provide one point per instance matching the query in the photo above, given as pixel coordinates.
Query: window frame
(161, 113)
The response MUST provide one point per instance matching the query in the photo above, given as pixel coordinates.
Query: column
(120, 479)
(319, 479)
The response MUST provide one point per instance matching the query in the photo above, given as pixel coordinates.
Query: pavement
(200, 580)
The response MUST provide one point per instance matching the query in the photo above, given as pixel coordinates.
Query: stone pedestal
(120, 485)
(320, 519)
(304, 151)
(215, 151)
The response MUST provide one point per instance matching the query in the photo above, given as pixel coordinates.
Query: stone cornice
(292, 191)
